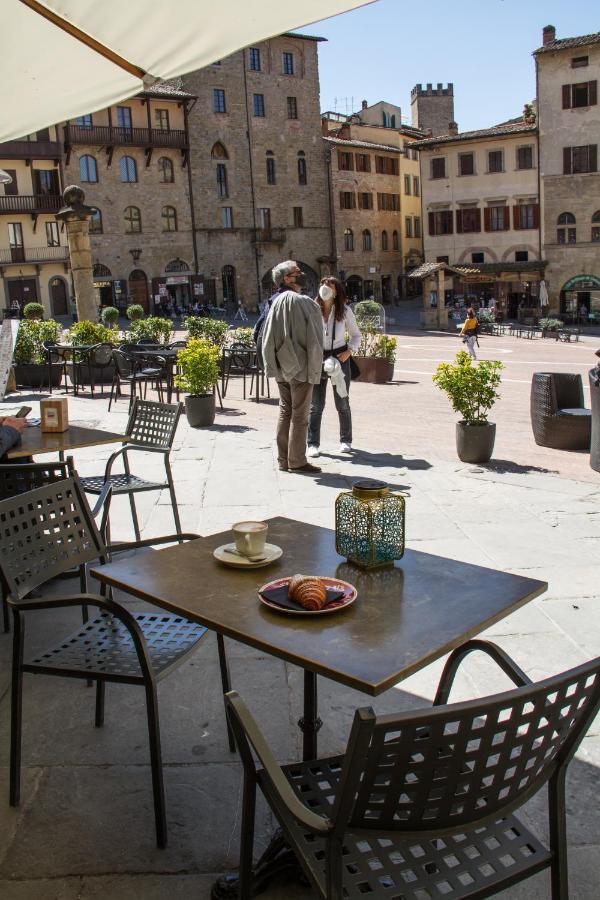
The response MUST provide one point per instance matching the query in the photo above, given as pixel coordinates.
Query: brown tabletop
(34, 441)
(404, 617)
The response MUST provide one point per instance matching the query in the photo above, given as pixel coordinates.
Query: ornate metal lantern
(369, 524)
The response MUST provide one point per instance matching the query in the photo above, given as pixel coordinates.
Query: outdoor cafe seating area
(424, 800)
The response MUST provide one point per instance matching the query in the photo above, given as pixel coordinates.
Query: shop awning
(65, 58)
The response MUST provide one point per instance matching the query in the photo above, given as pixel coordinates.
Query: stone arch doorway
(311, 285)
(59, 303)
(138, 288)
(229, 286)
(354, 287)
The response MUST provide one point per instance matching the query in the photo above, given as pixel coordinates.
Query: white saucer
(224, 555)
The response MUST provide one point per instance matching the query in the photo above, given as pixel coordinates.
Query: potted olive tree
(472, 393)
(376, 354)
(199, 372)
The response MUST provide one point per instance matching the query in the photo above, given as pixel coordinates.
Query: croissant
(308, 591)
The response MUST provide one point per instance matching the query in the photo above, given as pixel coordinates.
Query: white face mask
(326, 293)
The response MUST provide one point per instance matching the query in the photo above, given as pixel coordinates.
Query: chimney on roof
(365, 104)
(453, 129)
(548, 34)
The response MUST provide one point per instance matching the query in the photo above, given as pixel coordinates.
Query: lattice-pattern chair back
(101, 355)
(18, 479)
(153, 424)
(124, 365)
(458, 764)
(44, 533)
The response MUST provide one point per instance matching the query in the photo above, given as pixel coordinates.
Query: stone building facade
(481, 209)
(258, 168)
(33, 247)
(432, 108)
(568, 73)
(376, 206)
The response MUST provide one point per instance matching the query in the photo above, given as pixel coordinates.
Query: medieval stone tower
(432, 108)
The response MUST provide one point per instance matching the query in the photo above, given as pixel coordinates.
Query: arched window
(271, 178)
(367, 242)
(596, 226)
(395, 240)
(348, 239)
(169, 218)
(101, 271)
(302, 176)
(384, 240)
(218, 151)
(133, 220)
(87, 169)
(166, 173)
(177, 265)
(127, 169)
(566, 233)
(96, 222)
(393, 121)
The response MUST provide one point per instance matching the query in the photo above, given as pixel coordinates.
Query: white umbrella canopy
(65, 58)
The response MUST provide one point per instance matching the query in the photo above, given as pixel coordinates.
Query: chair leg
(558, 836)
(16, 710)
(136, 524)
(219, 396)
(158, 788)
(246, 873)
(100, 692)
(173, 497)
(226, 684)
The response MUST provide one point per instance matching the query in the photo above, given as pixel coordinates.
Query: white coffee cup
(250, 537)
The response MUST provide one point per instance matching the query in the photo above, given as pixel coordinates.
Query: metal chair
(151, 428)
(130, 368)
(42, 534)
(238, 360)
(55, 356)
(559, 418)
(100, 358)
(421, 804)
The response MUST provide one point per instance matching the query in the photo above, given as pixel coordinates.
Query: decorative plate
(333, 584)
(227, 555)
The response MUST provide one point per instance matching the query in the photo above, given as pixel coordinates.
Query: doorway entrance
(58, 297)
(138, 288)
(23, 290)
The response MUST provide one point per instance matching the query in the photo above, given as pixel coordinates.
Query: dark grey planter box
(36, 375)
(475, 443)
(200, 411)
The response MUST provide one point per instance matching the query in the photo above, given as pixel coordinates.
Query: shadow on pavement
(506, 467)
(383, 460)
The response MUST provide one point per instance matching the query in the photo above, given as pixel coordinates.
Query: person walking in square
(338, 321)
(469, 332)
(292, 353)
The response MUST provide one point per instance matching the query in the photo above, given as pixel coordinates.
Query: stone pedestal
(76, 217)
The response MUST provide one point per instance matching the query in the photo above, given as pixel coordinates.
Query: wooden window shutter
(431, 223)
(341, 199)
(448, 218)
(487, 219)
(566, 160)
(566, 96)
(516, 219)
(536, 215)
(593, 93)
(459, 223)
(506, 218)
(353, 200)
(478, 218)
(593, 157)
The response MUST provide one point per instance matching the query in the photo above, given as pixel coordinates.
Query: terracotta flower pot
(374, 370)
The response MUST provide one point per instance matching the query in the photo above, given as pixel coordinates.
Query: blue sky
(483, 46)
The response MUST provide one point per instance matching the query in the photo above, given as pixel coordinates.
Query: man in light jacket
(292, 352)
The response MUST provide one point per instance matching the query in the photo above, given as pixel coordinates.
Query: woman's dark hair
(470, 312)
(341, 299)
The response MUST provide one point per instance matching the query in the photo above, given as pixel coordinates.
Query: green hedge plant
(241, 336)
(110, 316)
(199, 367)
(30, 337)
(156, 328)
(366, 309)
(33, 311)
(550, 324)
(471, 389)
(212, 330)
(135, 312)
(86, 332)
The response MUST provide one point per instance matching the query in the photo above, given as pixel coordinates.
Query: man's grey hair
(281, 270)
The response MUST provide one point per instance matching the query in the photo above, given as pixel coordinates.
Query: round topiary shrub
(110, 316)
(135, 312)
(33, 311)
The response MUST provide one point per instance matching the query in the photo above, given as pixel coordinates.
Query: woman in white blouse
(341, 338)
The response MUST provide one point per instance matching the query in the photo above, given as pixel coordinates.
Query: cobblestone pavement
(85, 826)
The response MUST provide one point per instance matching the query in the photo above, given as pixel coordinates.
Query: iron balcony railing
(17, 255)
(108, 135)
(269, 236)
(30, 150)
(30, 203)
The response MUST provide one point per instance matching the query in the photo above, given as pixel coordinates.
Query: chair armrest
(150, 542)
(66, 601)
(516, 674)
(248, 733)
(103, 505)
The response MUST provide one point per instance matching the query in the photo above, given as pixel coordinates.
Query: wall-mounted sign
(178, 279)
(582, 283)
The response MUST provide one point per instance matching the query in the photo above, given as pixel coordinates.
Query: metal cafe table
(169, 355)
(405, 616)
(35, 441)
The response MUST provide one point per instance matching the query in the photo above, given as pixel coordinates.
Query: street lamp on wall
(136, 253)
